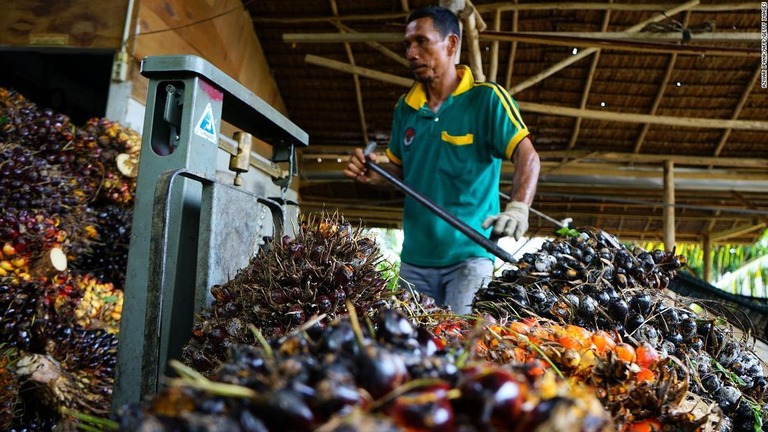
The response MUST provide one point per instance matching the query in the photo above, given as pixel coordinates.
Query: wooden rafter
(373, 44)
(695, 122)
(512, 51)
(660, 92)
(736, 231)
(625, 45)
(723, 7)
(539, 37)
(588, 85)
(493, 68)
(356, 79)
(506, 6)
(749, 204)
(656, 158)
(573, 59)
(739, 106)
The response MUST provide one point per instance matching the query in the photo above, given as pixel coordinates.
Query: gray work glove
(512, 222)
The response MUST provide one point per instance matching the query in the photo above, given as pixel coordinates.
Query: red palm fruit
(644, 375)
(626, 352)
(381, 371)
(647, 425)
(495, 395)
(427, 409)
(603, 342)
(646, 355)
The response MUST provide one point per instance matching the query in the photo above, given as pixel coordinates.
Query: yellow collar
(417, 96)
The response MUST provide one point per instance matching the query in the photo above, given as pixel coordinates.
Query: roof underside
(612, 93)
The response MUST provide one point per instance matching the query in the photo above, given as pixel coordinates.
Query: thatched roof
(612, 91)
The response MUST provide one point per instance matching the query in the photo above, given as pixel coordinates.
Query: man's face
(427, 53)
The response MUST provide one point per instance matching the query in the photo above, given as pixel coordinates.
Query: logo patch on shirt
(410, 134)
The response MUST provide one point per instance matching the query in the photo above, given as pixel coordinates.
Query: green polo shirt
(453, 157)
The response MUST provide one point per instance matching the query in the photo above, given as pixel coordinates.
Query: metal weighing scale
(191, 231)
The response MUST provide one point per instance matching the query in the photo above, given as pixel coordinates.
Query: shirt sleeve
(507, 125)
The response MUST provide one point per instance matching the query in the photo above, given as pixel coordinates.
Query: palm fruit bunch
(75, 371)
(349, 372)
(288, 282)
(60, 362)
(9, 390)
(65, 212)
(591, 281)
(51, 168)
(88, 302)
(637, 386)
(120, 148)
(112, 211)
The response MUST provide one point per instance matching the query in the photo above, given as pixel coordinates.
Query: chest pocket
(458, 139)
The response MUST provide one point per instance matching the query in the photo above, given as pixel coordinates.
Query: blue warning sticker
(206, 126)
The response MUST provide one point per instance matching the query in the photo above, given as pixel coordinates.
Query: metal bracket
(174, 100)
(285, 153)
(170, 310)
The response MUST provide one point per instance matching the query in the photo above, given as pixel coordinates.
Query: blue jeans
(454, 285)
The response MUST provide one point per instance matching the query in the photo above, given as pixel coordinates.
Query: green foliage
(739, 269)
(567, 232)
(390, 271)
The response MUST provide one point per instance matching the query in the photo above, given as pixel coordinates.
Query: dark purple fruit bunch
(387, 368)
(595, 282)
(590, 280)
(307, 378)
(290, 281)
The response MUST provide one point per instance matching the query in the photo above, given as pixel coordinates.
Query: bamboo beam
(654, 7)
(378, 47)
(624, 45)
(368, 73)
(731, 37)
(707, 123)
(599, 161)
(588, 86)
(493, 68)
(608, 170)
(512, 51)
(659, 158)
(468, 17)
(736, 231)
(355, 79)
(514, 36)
(506, 6)
(739, 106)
(660, 92)
(573, 59)
(656, 101)
(694, 122)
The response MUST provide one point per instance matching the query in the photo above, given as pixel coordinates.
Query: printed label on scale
(206, 126)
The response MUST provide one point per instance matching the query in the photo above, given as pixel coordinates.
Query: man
(449, 137)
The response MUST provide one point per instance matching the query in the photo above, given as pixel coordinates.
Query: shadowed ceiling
(615, 95)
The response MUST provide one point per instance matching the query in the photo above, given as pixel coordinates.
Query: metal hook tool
(465, 229)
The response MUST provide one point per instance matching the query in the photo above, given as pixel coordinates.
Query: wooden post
(707, 246)
(669, 202)
(494, 67)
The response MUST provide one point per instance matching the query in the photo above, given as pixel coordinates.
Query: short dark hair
(444, 20)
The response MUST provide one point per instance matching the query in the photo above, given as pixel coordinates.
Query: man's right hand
(357, 170)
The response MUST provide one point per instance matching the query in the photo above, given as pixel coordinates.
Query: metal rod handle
(465, 229)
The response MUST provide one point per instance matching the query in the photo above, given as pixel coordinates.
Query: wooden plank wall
(62, 23)
(227, 41)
